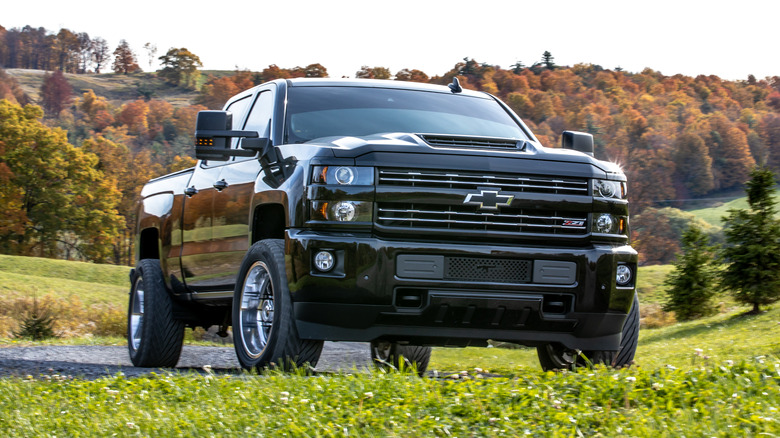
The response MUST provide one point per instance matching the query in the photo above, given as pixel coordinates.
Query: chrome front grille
(463, 217)
(433, 202)
(473, 181)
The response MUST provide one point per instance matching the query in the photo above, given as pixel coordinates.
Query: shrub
(36, 320)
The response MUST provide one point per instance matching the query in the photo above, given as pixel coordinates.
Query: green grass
(650, 283)
(69, 270)
(91, 283)
(713, 215)
(739, 399)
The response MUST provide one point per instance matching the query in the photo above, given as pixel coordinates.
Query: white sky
(730, 39)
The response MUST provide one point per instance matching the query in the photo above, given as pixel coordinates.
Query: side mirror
(578, 141)
(212, 137)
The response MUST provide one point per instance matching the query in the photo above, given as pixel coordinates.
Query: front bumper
(398, 291)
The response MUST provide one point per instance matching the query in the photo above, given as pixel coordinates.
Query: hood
(469, 149)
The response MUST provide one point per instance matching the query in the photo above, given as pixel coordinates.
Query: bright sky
(730, 39)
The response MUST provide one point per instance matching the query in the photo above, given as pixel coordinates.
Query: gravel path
(96, 361)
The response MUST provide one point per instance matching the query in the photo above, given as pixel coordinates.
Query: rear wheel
(557, 357)
(264, 331)
(154, 336)
(392, 355)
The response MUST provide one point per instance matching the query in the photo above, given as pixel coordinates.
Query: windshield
(315, 112)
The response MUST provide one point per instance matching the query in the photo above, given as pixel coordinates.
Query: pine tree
(692, 282)
(548, 60)
(752, 252)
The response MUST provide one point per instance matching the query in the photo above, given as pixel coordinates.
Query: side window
(261, 113)
(238, 108)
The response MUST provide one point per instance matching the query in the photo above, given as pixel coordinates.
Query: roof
(377, 83)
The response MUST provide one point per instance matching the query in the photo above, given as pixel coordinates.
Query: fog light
(324, 261)
(623, 277)
(604, 223)
(345, 211)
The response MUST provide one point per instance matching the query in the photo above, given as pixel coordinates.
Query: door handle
(220, 185)
(190, 191)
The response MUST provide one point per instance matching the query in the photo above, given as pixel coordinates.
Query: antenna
(455, 85)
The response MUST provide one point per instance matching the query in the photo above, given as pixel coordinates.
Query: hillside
(116, 88)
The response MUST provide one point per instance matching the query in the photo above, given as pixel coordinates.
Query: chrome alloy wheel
(257, 310)
(382, 351)
(137, 314)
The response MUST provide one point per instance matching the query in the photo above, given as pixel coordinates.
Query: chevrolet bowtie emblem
(488, 200)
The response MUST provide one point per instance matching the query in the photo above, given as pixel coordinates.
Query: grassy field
(714, 214)
(718, 376)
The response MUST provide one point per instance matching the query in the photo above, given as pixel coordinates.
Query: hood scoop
(460, 141)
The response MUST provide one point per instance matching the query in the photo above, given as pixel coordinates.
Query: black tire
(392, 355)
(154, 336)
(264, 330)
(556, 357)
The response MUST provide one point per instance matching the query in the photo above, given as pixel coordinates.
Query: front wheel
(392, 355)
(154, 336)
(556, 357)
(264, 331)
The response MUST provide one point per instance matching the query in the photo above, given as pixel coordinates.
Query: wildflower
(631, 379)
(368, 394)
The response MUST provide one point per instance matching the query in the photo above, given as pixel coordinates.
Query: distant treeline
(37, 48)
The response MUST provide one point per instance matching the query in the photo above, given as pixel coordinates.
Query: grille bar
(520, 183)
(544, 222)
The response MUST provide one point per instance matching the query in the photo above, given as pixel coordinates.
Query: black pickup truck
(401, 214)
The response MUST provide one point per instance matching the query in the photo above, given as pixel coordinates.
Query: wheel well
(148, 244)
(268, 222)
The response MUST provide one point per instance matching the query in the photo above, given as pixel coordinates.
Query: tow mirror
(212, 137)
(578, 141)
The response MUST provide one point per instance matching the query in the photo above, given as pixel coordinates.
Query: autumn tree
(412, 75)
(96, 110)
(133, 116)
(11, 90)
(752, 251)
(180, 67)
(63, 204)
(691, 285)
(367, 72)
(129, 172)
(125, 60)
(315, 71)
(100, 53)
(56, 93)
(693, 165)
(216, 91)
(151, 51)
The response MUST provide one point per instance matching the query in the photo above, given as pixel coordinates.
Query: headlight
(604, 188)
(343, 175)
(606, 223)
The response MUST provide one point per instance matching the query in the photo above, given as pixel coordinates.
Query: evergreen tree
(547, 60)
(752, 251)
(691, 283)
